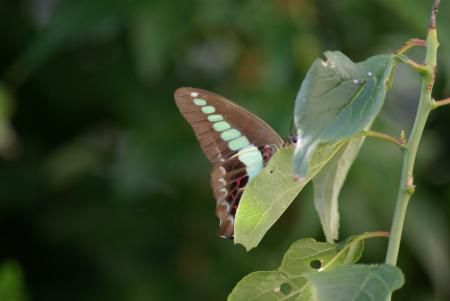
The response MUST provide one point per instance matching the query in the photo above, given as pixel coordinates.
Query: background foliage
(104, 192)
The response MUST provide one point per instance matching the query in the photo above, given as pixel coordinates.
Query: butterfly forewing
(237, 142)
(252, 127)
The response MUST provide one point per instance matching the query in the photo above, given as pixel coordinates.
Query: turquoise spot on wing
(199, 101)
(238, 143)
(215, 117)
(230, 134)
(221, 126)
(208, 109)
(252, 159)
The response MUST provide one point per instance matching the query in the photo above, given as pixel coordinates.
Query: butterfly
(236, 142)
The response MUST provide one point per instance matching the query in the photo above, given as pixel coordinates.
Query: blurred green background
(104, 192)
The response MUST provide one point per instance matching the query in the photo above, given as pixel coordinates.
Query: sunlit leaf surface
(288, 282)
(271, 193)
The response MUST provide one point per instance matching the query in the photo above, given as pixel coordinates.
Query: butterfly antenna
(291, 129)
(292, 138)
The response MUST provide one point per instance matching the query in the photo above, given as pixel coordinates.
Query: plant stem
(407, 187)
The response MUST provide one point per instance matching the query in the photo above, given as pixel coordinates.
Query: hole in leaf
(285, 288)
(315, 264)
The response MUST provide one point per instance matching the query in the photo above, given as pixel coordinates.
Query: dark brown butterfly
(237, 143)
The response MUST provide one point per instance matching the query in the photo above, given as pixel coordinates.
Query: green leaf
(288, 282)
(328, 184)
(356, 282)
(271, 192)
(11, 282)
(337, 99)
(260, 286)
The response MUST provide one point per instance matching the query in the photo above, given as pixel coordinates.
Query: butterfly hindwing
(228, 181)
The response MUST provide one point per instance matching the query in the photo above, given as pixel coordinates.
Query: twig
(442, 102)
(434, 11)
(410, 44)
(420, 68)
(383, 136)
